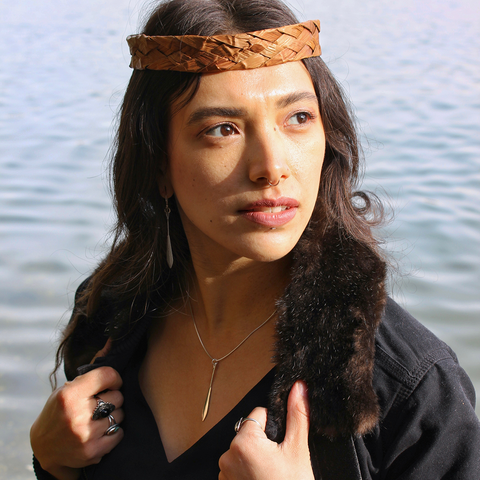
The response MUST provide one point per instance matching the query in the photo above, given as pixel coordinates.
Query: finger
(103, 445)
(298, 420)
(98, 407)
(114, 397)
(98, 380)
(109, 442)
(100, 426)
(249, 427)
(118, 418)
(106, 348)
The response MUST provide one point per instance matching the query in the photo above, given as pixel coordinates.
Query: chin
(269, 251)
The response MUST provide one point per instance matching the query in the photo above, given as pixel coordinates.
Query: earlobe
(165, 191)
(164, 186)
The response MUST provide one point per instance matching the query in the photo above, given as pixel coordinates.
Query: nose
(267, 164)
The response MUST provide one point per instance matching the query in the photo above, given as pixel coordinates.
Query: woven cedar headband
(219, 53)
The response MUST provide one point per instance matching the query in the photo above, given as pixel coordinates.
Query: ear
(166, 191)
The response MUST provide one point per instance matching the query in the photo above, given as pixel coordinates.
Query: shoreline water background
(412, 72)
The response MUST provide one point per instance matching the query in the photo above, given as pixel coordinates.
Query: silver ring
(112, 429)
(242, 420)
(273, 184)
(103, 409)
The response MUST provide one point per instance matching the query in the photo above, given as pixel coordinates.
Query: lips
(271, 212)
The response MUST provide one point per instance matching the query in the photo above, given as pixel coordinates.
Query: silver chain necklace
(216, 361)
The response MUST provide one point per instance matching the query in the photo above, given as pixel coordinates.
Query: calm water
(412, 71)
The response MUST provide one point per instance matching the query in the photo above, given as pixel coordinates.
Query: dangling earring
(169, 243)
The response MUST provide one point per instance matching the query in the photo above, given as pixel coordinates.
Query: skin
(240, 130)
(220, 163)
(253, 457)
(64, 438)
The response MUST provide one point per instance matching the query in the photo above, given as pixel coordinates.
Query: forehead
(259, 86)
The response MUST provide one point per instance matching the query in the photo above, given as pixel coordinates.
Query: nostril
(273, 184)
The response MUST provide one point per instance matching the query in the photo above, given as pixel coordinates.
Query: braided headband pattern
(219, 53)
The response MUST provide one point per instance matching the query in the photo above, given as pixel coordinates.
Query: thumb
(298, 420)
(102, 352)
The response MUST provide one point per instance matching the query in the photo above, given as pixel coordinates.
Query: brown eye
(223, 130)
(299, 118)
(226, 130)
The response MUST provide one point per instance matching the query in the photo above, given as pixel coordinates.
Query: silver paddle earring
(169, 243)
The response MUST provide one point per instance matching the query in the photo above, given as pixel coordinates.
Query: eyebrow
(208, 112)
(294, 98)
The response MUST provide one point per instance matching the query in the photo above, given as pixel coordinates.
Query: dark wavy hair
(134, 273)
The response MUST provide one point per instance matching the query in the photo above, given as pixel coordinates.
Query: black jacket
(427, 427)
(388, 400)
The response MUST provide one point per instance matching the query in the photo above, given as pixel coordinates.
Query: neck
(238, 297)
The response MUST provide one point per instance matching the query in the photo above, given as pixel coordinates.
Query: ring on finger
(112, 421)
(242, 420)
(113, 427)
(111, 430)
(103, 409)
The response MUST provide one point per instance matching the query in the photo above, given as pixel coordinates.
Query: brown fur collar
(327, 322)
(326, 328)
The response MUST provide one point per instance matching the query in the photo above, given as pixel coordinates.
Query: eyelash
(311, 116)
(208, 132)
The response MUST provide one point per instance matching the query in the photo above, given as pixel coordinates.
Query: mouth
(270, 209)
(271, 212)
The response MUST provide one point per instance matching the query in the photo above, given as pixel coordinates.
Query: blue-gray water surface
(412, 71)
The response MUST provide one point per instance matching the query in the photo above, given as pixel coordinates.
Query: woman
(240, 238)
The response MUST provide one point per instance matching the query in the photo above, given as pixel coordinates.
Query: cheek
(306, 163)
(201, 187)
(202, 169)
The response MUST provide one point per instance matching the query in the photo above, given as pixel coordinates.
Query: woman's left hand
(252, 456)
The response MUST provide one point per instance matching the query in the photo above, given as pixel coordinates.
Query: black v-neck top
(141, 454)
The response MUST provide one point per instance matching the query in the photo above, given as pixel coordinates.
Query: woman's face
(241, 130)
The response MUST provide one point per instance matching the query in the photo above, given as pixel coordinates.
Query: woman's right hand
(64, 437)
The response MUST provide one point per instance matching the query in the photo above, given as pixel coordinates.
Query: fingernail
(302, 388)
